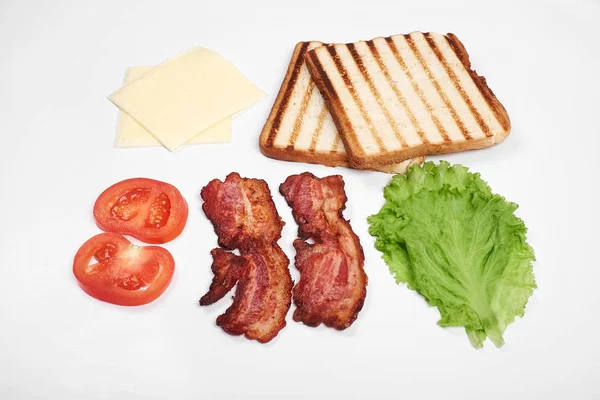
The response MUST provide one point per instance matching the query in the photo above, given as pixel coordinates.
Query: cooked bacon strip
(332, 286)
(228, 269)
(242, 211)
(244, 217)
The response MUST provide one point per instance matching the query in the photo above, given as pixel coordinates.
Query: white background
(60, 59)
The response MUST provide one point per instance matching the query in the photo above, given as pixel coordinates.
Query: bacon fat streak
(332, 286)
(244, 217)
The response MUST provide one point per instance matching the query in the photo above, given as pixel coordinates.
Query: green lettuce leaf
(446, 235)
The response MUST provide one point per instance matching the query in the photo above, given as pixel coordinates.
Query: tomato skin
(124, 274)
(149, 210)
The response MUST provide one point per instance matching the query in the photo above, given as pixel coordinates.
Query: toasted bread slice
(406, 96)
(300, 127)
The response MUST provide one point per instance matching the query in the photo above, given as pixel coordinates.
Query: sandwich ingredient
(406, 96)
(186, 95)
(444, 233)
(244, 217)
(131, 134)
(122, 273)
(300, 127)
(149, 210)
(332, 286)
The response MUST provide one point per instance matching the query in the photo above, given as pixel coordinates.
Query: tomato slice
(122, 273)
(149, 210)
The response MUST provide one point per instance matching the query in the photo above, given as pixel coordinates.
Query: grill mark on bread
(417, 53)
(336, 143)
(319, 141)
(300, 117)
(486, 92)
(455, 80)
(287, 95)
(363, 70)
(343, 73)
(329, 93)
(397, 92)
(417, 89)
(317, 132)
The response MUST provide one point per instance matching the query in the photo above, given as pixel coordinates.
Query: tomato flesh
(150, 210)
(159, 212)
(110, 268)
(127, 206)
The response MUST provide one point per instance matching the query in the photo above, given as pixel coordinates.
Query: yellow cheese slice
(132, 134)
(186, 95)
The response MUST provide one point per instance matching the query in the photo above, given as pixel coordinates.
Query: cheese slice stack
(188, 99)
(131, 134)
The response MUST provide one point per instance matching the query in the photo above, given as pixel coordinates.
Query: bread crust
(356, 155)
(480, 82)
(335, 160)
(290, 154)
